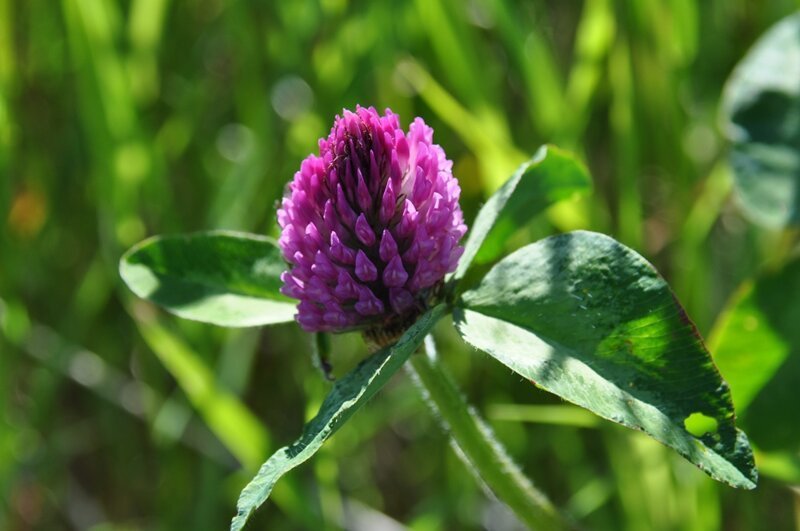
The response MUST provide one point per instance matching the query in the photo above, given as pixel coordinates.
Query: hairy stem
(478, 445)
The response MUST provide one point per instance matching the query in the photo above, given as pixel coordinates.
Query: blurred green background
(120, 119)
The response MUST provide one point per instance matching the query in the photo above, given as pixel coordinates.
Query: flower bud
(370, 226)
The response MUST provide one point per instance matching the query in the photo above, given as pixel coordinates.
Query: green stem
(478, 445)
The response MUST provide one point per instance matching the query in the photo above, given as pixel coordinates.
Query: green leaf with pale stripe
(588, 319)
(550, 176)
(218, 277)
(346, 397)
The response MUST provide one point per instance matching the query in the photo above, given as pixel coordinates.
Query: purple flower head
(371, 226)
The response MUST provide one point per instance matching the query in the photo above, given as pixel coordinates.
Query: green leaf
(346, 397)
(756, 343)
(550, 176)
(761, 108)
(588, 319)
(218, 277)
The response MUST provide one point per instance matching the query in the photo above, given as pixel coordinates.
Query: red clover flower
(370, 227)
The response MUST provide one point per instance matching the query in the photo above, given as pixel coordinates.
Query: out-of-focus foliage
(762, 318)
(762, 109)
(125, 118)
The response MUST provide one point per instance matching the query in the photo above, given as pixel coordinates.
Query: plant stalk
(479, 447)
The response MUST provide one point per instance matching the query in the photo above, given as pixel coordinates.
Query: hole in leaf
(698, 424)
